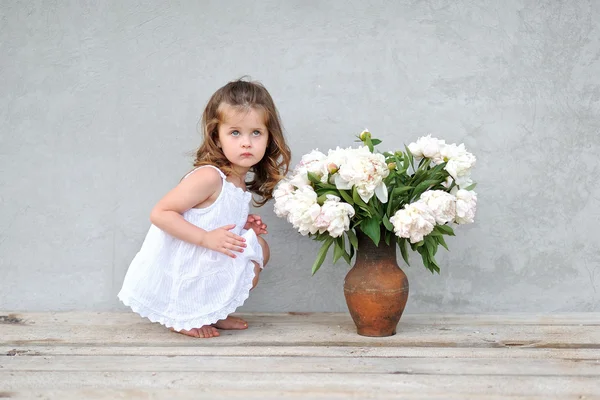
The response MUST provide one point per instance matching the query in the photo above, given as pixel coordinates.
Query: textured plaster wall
(99, 105)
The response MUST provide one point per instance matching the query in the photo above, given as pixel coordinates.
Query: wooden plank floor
(78, 355)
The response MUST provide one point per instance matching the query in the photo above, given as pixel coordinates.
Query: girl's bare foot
(231, 323)
(205, 331)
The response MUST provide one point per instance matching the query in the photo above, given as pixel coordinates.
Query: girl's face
(243, 136)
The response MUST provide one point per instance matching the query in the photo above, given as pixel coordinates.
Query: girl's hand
(255, 223)
(224, 241)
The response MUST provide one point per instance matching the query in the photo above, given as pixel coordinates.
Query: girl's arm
(198, 188)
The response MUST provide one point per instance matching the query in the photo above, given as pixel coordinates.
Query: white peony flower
(442, 205)
(448, 182)
(464, 181)
(458, 163)
(413, 222)
(362, 169)
(312, 162)
(466, 206)
(428, 147)
(299, 179)
(282, 194)
(335, 216)
(339, 156)
(303, 210)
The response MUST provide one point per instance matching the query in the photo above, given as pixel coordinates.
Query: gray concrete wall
(100, 101)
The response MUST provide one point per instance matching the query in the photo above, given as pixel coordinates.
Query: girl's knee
(256, 275)
(265, 249)
(266, 256)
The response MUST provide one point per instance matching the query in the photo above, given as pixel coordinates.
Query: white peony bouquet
(410, 197)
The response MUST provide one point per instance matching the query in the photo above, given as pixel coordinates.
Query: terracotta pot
(376, 289)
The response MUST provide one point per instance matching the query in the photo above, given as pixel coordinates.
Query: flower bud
(392, 166)
(364, 135)
(332, 168)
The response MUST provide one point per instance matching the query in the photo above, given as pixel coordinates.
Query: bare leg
(235, 322)
(266, 250)
(230, 322)
(266, 257)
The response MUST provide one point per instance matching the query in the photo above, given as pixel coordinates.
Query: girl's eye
(256, 133)
(235, 133)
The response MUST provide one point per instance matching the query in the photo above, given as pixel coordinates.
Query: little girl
(204, 252)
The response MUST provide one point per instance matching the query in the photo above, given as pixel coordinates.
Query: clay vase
(376, 289)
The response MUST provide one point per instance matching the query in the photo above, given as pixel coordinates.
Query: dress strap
(204, 166)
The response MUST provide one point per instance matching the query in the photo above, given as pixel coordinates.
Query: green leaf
(425, 257)
(319, 237)
(396, 198)
(313, 178)
(439, 168)
(375, 142)
(403, 250)
(328, 186)
(471, 186)
(411, 158)
(341, 249)
(400, 189)
(430, 263)
(357, 199)
(421, 187)
(435, 265)
(347, 257)
(445, 229)
(405, 164)
(338, 249)
(428, 259)
(370, 227)
(347, 198)
(321, 254)
(388, 225)
(352, 239)
(424, 163)
(323, 192)
(431, 246)
(440, 240)
(390, 206)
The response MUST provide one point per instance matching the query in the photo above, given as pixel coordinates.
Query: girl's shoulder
(206, 172)
(203, 179)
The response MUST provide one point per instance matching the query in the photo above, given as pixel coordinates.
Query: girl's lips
(246, 154)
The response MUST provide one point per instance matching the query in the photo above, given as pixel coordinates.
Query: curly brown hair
(275, 163)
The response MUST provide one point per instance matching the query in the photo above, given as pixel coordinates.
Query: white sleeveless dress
(185, 286)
